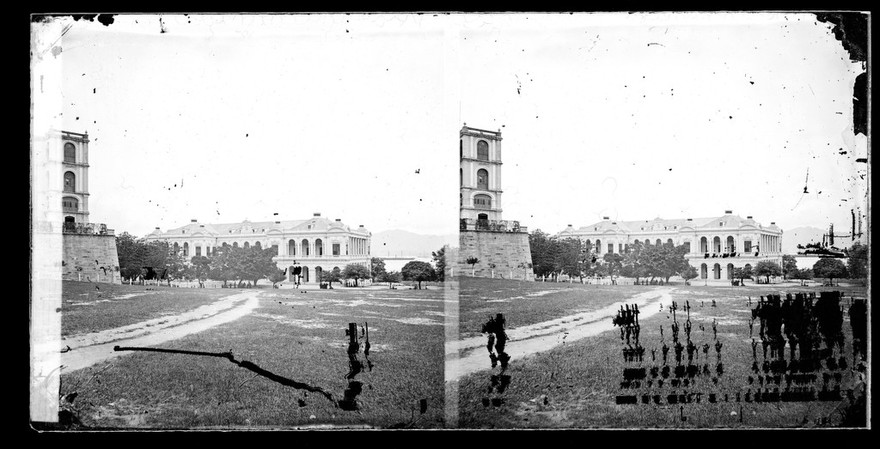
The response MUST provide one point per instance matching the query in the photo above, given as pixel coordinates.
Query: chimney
(360, 226)
(604, 218)
(772, 223)
(614, 222)
(690, 219)
(317, 214)
(728, 212)
(568, 226)
(338, 219)
(749, 217)
(201, 226)
(194, 220)
(157, 228)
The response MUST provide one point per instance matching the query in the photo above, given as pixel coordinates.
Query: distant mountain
(398, 243)
(800, 236)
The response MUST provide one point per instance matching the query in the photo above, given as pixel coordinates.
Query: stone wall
(506, 250)
(90, 257)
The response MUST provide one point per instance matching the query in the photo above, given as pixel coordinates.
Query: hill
(800, 236)
(399, 243)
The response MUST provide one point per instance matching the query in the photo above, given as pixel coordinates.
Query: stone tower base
(508, 251)
(90, 257)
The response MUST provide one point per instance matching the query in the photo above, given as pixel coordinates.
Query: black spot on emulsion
(105, 19)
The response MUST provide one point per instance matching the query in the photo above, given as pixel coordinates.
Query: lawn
(298, 336)
(575, 385)
(524, 303)
(85, 308)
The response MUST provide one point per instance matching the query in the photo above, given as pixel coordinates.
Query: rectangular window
(335, 249)
(610, 247)
(747, 246)
(620, 247)
(198, 251)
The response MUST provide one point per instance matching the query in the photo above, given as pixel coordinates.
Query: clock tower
(480, 174)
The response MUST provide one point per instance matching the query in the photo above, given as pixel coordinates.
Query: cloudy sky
(226, 118)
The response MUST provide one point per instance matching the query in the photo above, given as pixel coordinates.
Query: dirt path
(88, 349)
(469, 355)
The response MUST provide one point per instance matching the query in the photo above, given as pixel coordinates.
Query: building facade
(501, 246)
(715, 245)
(316, 245)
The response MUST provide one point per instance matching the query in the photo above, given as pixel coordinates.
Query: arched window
(69, 153)
(716, 271)
(186, 250)
(461, 177)
(290, 273)
(69, 182)
(687, 246)
(482, 201)
(235, 244)
(704, 245)
(69, 204)
(658, 242)
(461, 149)
(670, 242)
(176, 248)
(258, 245)
(637, 242)
(482, 150)
(318, 272)
(319, 250)
(305, 248)
(305, 274)
(69, 219)
(748, 267)
(704, 271)
(291, 247)
(482, 179)
(716, 244)
(247, 245)
(731, 244)
(730, 271)
(598, 246)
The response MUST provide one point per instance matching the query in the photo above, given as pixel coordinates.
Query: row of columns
(769, 244)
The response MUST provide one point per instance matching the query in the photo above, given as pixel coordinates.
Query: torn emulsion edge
(45, 204)
(853, 30)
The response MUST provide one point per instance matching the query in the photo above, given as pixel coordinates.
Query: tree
(789, 266)
(471, 260)
(256, 263)
(276, 277)
(634, 262)
(440, 263)
(688, 273)
(767, 268)
(356, 272)
(743, 273)
(419, 272)
(571, 258)
(131, 253)
(225, 264)
(857, 264)
(613, 265)
(377, 267)
(334, 275)
(390, 278)
(199, 268)
(670, 260)
(541, 248)
(802, 275)
(829, 267)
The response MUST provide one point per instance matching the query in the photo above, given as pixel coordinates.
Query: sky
(634, 116)
(667, 115)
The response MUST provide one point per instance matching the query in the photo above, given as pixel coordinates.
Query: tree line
(553, 257)
(159, 260)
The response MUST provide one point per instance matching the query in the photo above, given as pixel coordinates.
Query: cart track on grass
(469, 355)
(89, 349)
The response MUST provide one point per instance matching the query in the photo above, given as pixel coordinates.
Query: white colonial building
(715, 245)
(316, 244)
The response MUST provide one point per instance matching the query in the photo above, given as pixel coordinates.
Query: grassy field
(575, 385)
(87, 309)
(524, 303)
(294, 335)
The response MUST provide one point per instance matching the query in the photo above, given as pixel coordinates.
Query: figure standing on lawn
(497, 339)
